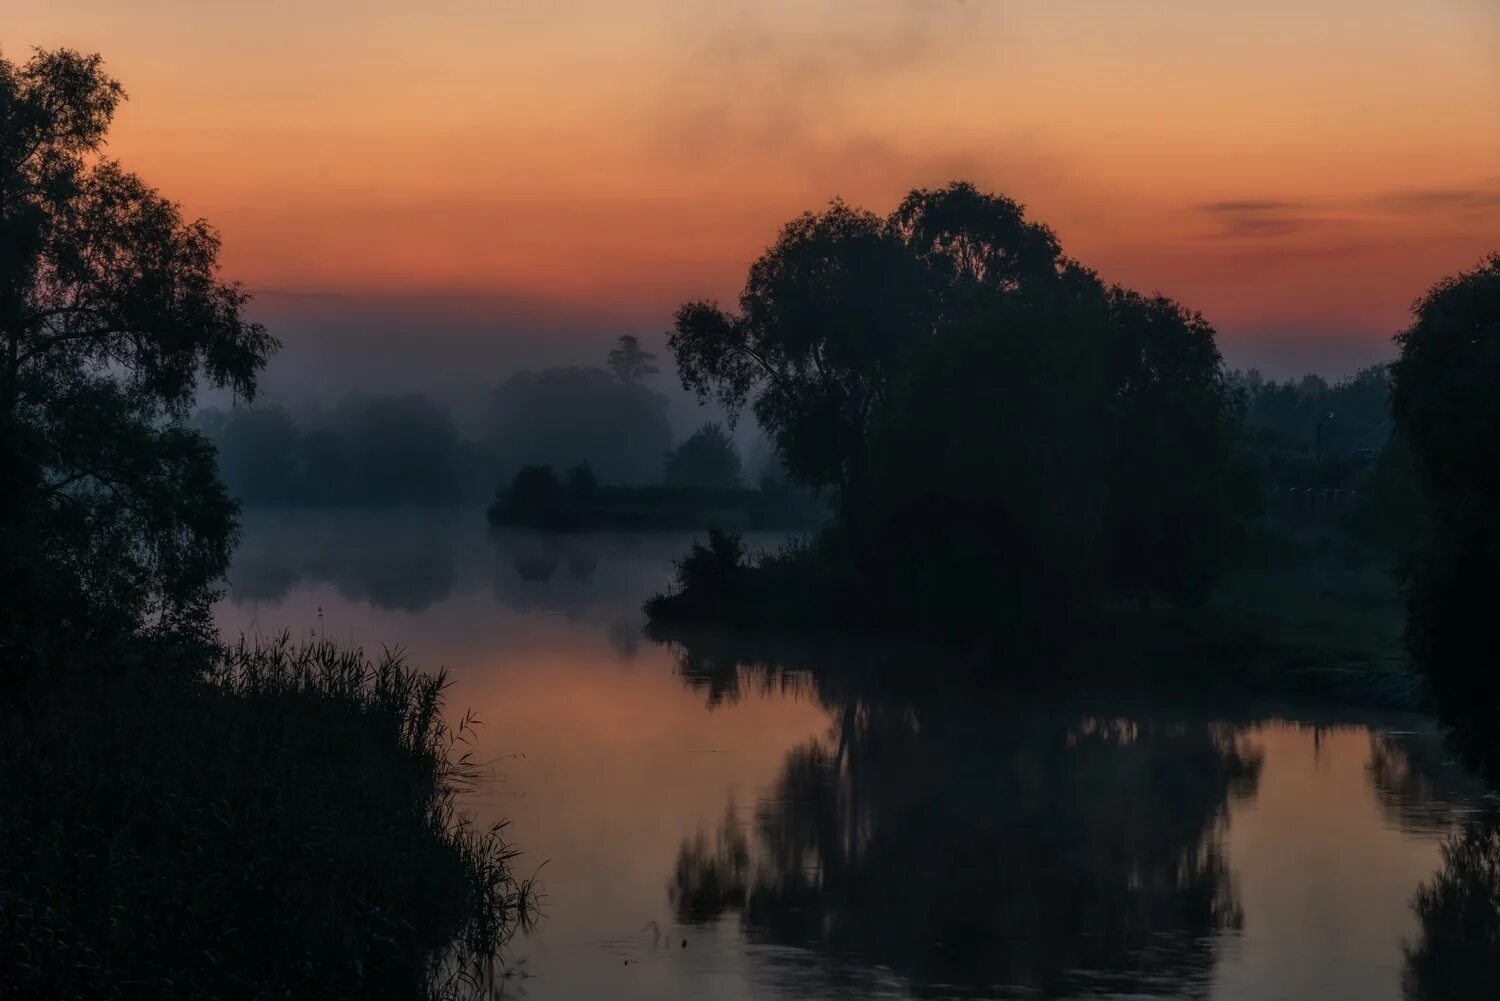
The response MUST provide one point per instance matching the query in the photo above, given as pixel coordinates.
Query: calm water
(822, 836)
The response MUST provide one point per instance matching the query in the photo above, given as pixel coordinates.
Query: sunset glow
(1298, 172)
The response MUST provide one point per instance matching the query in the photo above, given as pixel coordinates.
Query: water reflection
(985, 848)
(410, 561)
(1457, 955)
(382, 558)
(1418, 782)
(821, 821)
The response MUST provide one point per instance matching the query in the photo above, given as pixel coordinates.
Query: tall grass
(286, 824)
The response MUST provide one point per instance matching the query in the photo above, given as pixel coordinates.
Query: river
(721, 828)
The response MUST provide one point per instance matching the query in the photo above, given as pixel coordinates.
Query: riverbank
(283, 822)
(1323, 628)
(1328, 633)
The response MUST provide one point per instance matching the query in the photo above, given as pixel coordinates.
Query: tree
(629, 363)
(707, 459)
(581, 483)
(111, 315)
(824, 316)
(565, 416)
(260, 452)
(978, 403)
(535, 493)
(399, 449)
(1447, 411)
(1177, 493)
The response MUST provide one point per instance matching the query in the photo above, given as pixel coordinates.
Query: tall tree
(1444, 400)
(823, 318)
(629, 362)
(111, 315)
(1177, 492)
(977, 401)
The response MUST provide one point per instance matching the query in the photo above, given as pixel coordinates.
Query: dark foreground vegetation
(178, 819)
(282, 823)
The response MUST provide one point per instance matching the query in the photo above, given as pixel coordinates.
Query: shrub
(285, 825)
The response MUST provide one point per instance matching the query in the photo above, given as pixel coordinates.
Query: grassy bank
(282, 824)
(1316, 615)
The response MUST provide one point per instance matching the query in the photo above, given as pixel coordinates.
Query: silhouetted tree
(824, 316)
(706, 459)
(1004, 434)
(629, 362)
(1177, 495)
(397, 449)
(564, 416)
(581, 482)
(534, 493)
(111, 315)
(1446, 407)
(261, 453)
(1290, 412)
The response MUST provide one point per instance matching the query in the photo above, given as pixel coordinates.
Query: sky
(452, 188)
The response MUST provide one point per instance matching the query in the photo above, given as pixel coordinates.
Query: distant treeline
(700, 491)
(394, 449)
(1328, 451)
(385, 449)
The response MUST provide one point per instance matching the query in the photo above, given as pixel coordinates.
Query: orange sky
(1296, 170)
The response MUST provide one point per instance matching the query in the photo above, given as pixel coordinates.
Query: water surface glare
(716, 828)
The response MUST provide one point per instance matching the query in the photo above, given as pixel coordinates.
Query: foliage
(175, 819)
(1444, 401)
(565, 416)
(823, 317)
(1178, 494)
(722, 583)
(1288, 414)
(1458, 953)
(707, 459)
(1006, 437)
(111, 314)
(369, 449)
(629, 362)
(580, 482)
(536, 491)
(285, 826)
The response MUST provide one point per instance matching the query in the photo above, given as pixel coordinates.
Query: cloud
(1248, 205)
(1482, 199)
(775, 82)
(1251, 218)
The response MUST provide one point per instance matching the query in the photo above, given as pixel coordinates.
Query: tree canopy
(630, 362)
(1443, 396)
(988, 410)
(112, 314)
(707, 459)
(566, 416)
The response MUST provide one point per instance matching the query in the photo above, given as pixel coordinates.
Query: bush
(800, 586)
(284, 825)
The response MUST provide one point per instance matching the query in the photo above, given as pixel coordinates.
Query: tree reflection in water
(1420, 785)
(1457, 956)
(972, 846)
